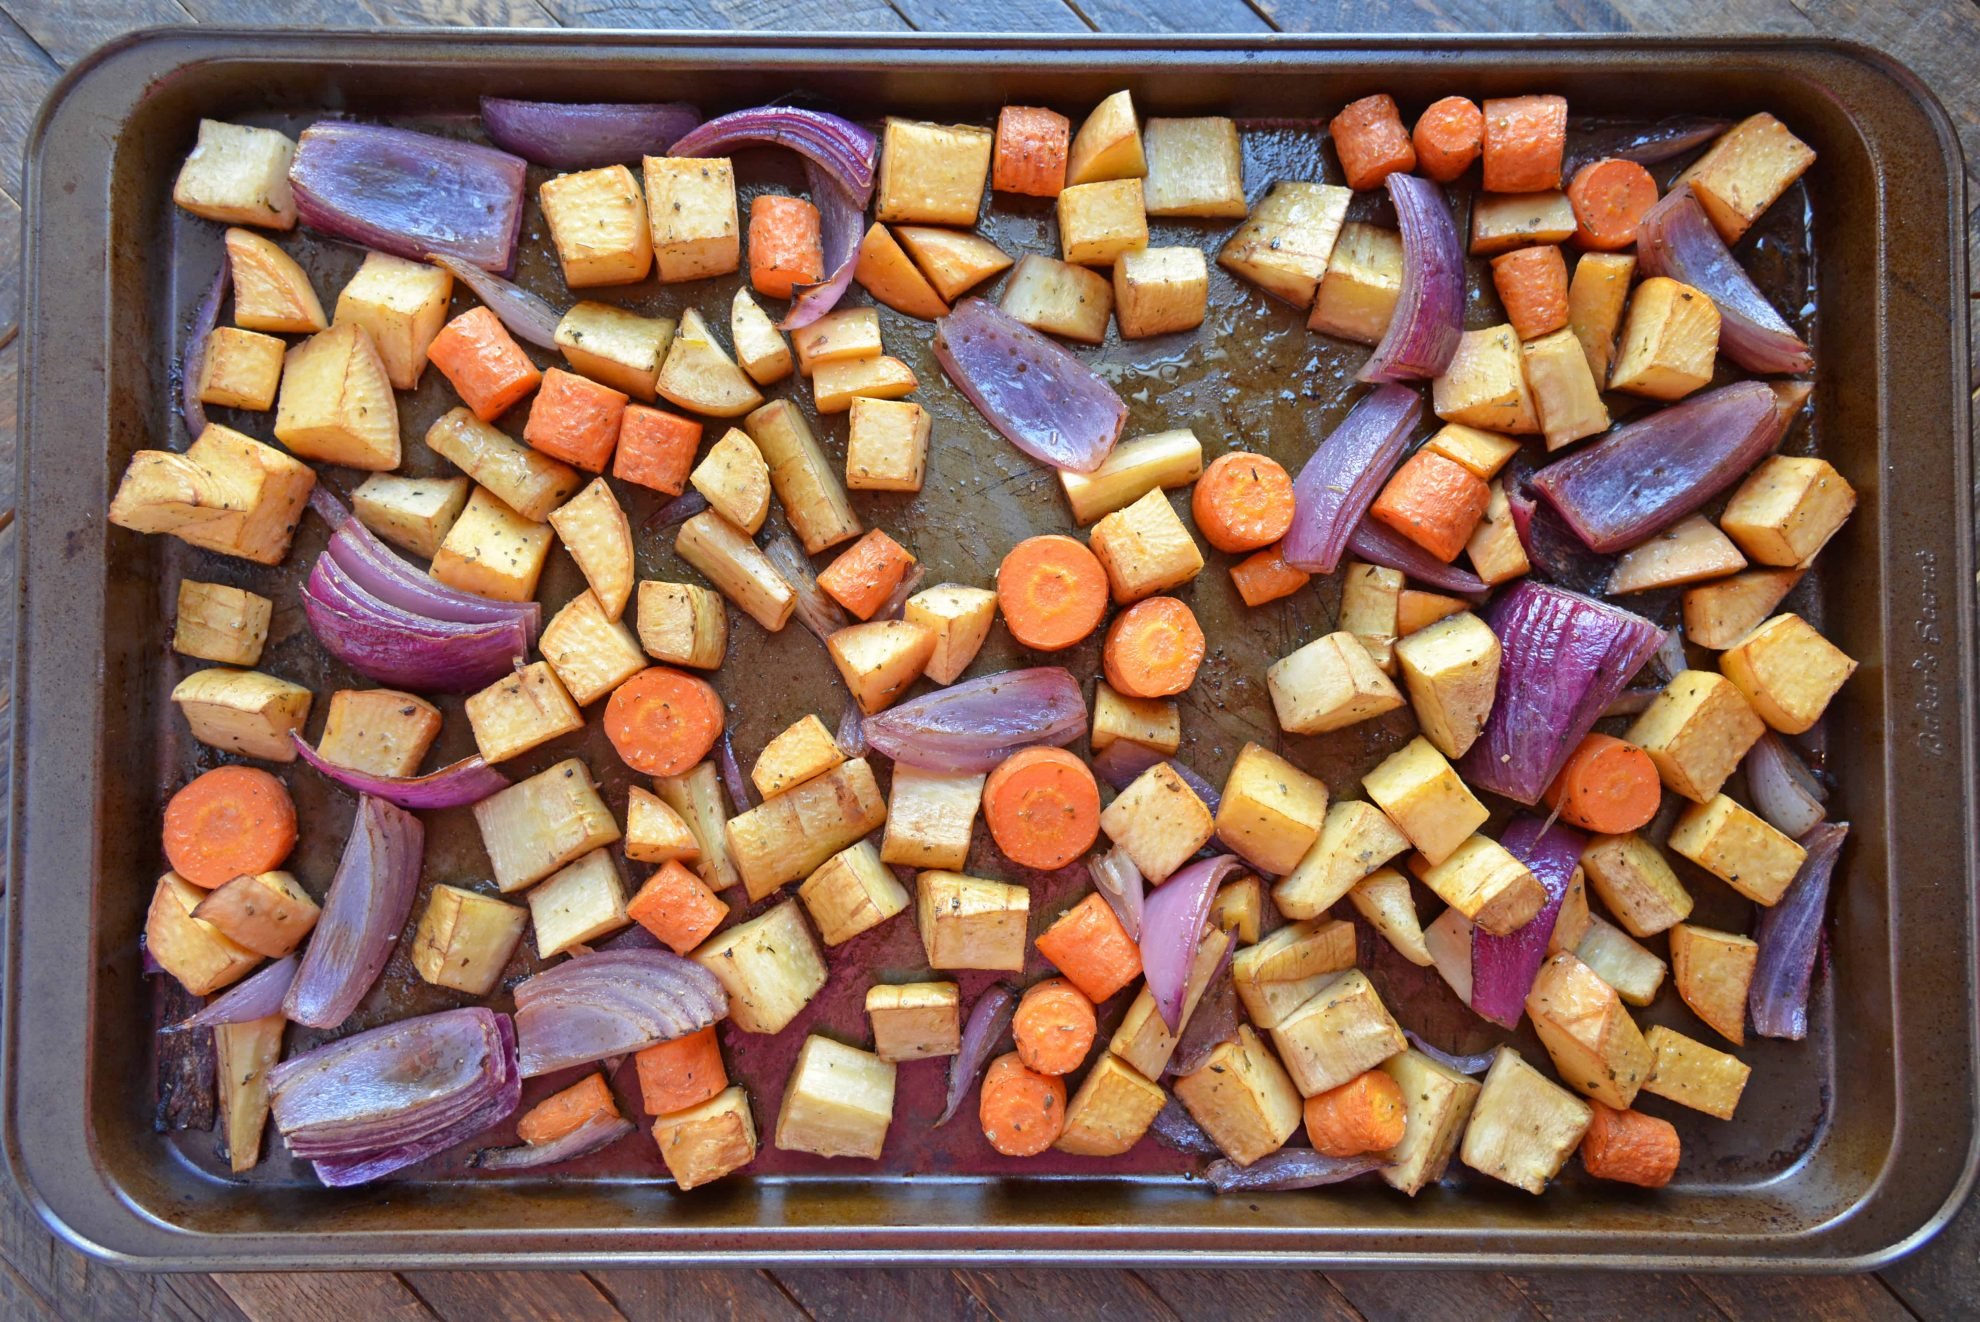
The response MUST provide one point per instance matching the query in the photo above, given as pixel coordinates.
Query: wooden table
(42, 1278)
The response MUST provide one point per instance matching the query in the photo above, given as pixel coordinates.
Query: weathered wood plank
(323, 1297)
(1573, 1296)
(1806, 1298)
(12, 236)
(1405, 1296)
(26, 74)
(745, 15)
(1051, 1296)
(512, 1296)
(735, 1296)
(1171, 15)
(462, 13)
(1255, 1296)
(274, 13)
(73, 28)
(1011, 15)
(864, 1296)
(1940, 1280)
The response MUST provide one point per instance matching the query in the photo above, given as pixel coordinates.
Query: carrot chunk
(1089, 945)
(1022, 1111)
(229, 822)
(1448, 138)
(575, 419)
(1265, 576)
(784, 245)
(1630, 1147)
(1525, 138)
(1032, 144)
(866, 573)
(483, 362)
(1054, 1027)
(561, 1112)
(1532, 284)
(1242, 502)
(1371, 141)
(1434, 502)
(1608, 786)
(1042, 807)
(1153, 649)
(1610, 199)
(663, 721)
(677, 907)
(684, 1072)
(1052, 592)
(656, 448)
(1365, 1114)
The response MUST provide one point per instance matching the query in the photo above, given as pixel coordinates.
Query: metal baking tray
(1850, 1148)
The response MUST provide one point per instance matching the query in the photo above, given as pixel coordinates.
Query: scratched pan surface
(1845, 1146)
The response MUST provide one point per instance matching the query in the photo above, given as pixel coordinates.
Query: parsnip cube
(1281, 973)
(1160, 290)
(1787, 509)
(852, 892)
(191, 949)
(336, 402)
(1738, 847)
(1239, 908)
(915, 1020)
(1059, 298)
(1145, 549)
(788, 837)
(582, 902)
(1420, 792)
(1099, 222)
(244, 711)
(618, 348)
(932, 174)
(1501, 222)
(834, 386)
(886, 445)
(761, 349)
(699, 376)
(1595, 1045)
(538, 825)
(806, 485)
(1485, 384)
(843, 336)
(1383, 900)
(683, 624)
(403, 304)
(1696, 731)
(1243, 1098)
(1437, 1104)
(1369, 597)
(1488, 885)
(1635, 883)
(1497, 554)
(655, 833)
(271, 292)
(1355, 839)
(1271, 811)
(268, 912)
(1357, 296)
(1195, 168)
(493, 551)
(708, 1141)
(1634, 972)
(697, 797)
(1342, 1031)
(1669, 342)
(1523, 1125)
(522, 711)
(1788, 671)
(1284, 246)
(591, 652)
(1688, 1072)
(598, 225)
(691, 216)
(1159, 820)
(1566, 397)
(241, 369)
(1165, 459)
(1451, 670)
(1108, 144)
(238, 175)
(798, 753)
(1596, 297)
(1111, 1111)
(1689, 550)
(1741, 174)
(838, 1103)
(464, 940)
(1153, 722)
(1718, 615)
(1713, 970)
(953, 262)
(971, 923)
(217, 623)
(960, 619)
(1143, 1040)
(880, 660)
(769, 966)
(379, 731)
(732, 563)
(735, 480)
(528, 481)
(930, 817)
(413, 512)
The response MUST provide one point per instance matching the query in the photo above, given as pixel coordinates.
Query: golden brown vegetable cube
(1788, 508)
(1669, 343)
(735, 480)
(1691, 549)
(1572, 919)
(1165, 459)
(1099, 222)
(1195, 168)
(1153, 722)
(244, 711)
(493, 551)
(761, 349)
(1712, 970)
(886, 445)
(1370, 596)
(732, 563)
(691, 216)
(191, 949)
(930, 817)
(1437, 1103)
(655, 832)
(1329, 683)
(834, 386)
(809, 489)
(336, 402)
(591, 652)
(579, 903)
(380, 731)
(1634, 972)
(219, 623)
(1595, 1045)
(1688, 1072)
(838, 1103)
(683, 624)
(1342, 1031)
(852, 892)
(1696, 731)
(880, 659)
(527, 481)
(1738, 847)
(1242, 1098)
(1271, 811)
(960, 618)
(795, 755)
(1108, 144)
(244, 1054)
(1059, 298)
(708, 1141)
(1355, 839)
(1284, 246)
(1566, 397)
(522, 711)
(1111, 1111)
(1160, 290)
(1501, 222)
(537, 825)
(1596, 297)
(697, 797)
(271, 292)
(1383, 900)
(1495, 550)
(413, 512)
(1159, 820)
(622, 349)
(1485, 883)
(1421, 793)
(1742, 173)
(836, 337)
(464, 940)
(1278, 975)
(268, 912)
(915, 1020)
(1451, 670)
(1239, 908)
(1523, 1125)
(403, 304)
(1485, 384)
(1143, 1040)
(932, 174)
(598, 225)
(952, 261)
(1787, 671)
(238, 175)
(699, 375)
(1718, 615)
(1357, 296)
(1145, 549)
(241, 369)
(770, 967)
(787, 837)
(883, 268)
(971, 923)
(1635, 883)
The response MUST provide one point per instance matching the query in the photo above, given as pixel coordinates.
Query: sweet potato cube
(1284, 246)
(1451, 670)
(838, 1102)
(1439, 1101)
(886, 445)
(464, 940)
(952, 261)
(1088, 944)
(493, 551)
(336, 404)
(1419, 791)
(522, 711)
(1357, 296)
(1243, 1098)
(1741, 174)
(1145, 549)
(1159, 820)
(238, 175)
(1158, 291)
(1788, 671)
(931, 174)
(1113, 1108)
(1696, 731)
(865, 574)
(1108, 144)
(538, 825)
(1738, 847)
(1099, 222)
(655, 832)
(1718, 615)
(1597, 295)
(618, 348)
(241, 370)
(770, 967)
(215, 622)
(1058, 298)
(789, 836)
(1669, 342)
(1523, 1125)
(1330, 683)
(680, 1073)
(380, 731)
(1032, 145)
(1271, 811)
(243, 711)
(1501, 222)
(1635, 883)
(190, 949)
(1566, 397)
(1712, 970)
(1787, 509)
(1485, 384)
(1688, 1072)
(1595, 1045)
(930, 817)
(1342, 1031)
(915, 1020)
(403, 305)
(529, 483)
(683, 624)
(1195, 168)
(575, 419)
(691, 216)
(960, 618)
(677, 907)
(971, 923)
(708, 1141)
(1484, 882)
(1153, 722)
(268, 912)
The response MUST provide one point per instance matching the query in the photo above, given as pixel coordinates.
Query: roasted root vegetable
(708, 1141)
(1630, 1147)
(1788, 671)
(483, 363)
(886, 445)
(1195, 168)
(1595, 1045)
(838, 1102)
(1088, 944)
(852, 892)
(215, 622)
(1523, 1126)
(1031, 149)
(810, 492)
(402, 305)
(416, 513)
(791, 835)
(492, 551)
(1284, 245)
(1159, 820)
(538, 825)
(1271, 811)
(268, 912)
(271, 292)
(1365, 1114)
(1342, 1031)
(518, 713)
(1742, 174)
(1059, 298)
(243, 711)
(238, 175)
(971, 922)
(732, 563)
(464, 939)
(769, 966)
(914, 1020)
(615, 347)
(701, 377)
(959, 618)
(1108, 145)
(528, 482)
(1099, 222)
(691, 212)
(1243, 1098)
(931, 174)
(1159, 291)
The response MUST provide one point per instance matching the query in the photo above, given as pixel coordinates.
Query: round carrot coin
(229, 822)
(1610, 199)
(1042, 806)
(1242, 502)
(1052, 592)
(1022, 1111)
(1153, 649)
(662, 721)
(1054, 1027)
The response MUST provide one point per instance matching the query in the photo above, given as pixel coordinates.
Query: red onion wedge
(1213, 1022)
(1646, 475)
(469, 780)
(1344, 475)
(1122, 886)
(1553, 551)
(988, 1019)
(851, 734)
(193, 361)
(972, 726)
(678, 510)
(815, 611)
(367, 906)
(1429, 319)
(1503, 967)
(401, 649)
(1566, 657)
(1665, 140)
(1790, 932)
(600, 1131)
(1172, 922)
(609, 1004)
(585, 135)
(410, 194)
(1121, 763)
(385, 575)
(1477, 1064)
(1290, 1168)
(742, 792)
(527, 316)
(258, 997)
(1676, 239)
(1379, 544)
(1785, 791)
(895, 605)
(1042, 398)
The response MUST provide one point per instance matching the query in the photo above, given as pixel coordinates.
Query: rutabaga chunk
(1788, 671)
(1355, 839)
(1328, 684)
(1108, 144)
(836, 337)
(1370, 595)
(931, 816)
(796, 754)
(527, 481)
(522, 711)
(621, 349)
(1696, 732)
(1143, 1040)
(1342, 1031)
(1165, 460)
(1741, 174)
(970, 922)
(244, 711)
(1634, 972)
(954, 262)
(1281, 973)
(1713, 970)
(683, 624)
(243, 1055)
(538, 825)
(403, 305)
(1501, 222)
(770, 967)
(1111, 1111)
(1159, 291)
(810, 492)
(883, 269)
(1271, 811)
(1596, 297)
(1383, 900)
(1242, 1098)
(1572, 919)
(220, 623)
(732, 563)
(336, 403)
(697, 797)
(834, 386)
(655, 833)
(1357, 297)
(1099, 222)
(1485, 384)
(1787, 509)
(380, 731)
(880, 660)
(1239, 908)
(269, 912)
(931, 174)
(1059, 299)
(1451, 670)
(1692, 1074)
(1690, 550)
(886, 445)
(580, 903)
(227, 493)
(761, 349)
(271, 292)
(1738, 847)
(708, 1141)
(789, 836)
(190, 949)
(598, 226)
(735, 480)
(1497, 555)
(591, 652)
(1488, 885)
(1669, 343)
(1566, 396)
(493, 551)
(238, 175)
(242, 369)
(1635, 884)
(838, 1102)
(1718, 615)
(1523, 1125)
(464, 940)
(852, 892)
(915, 1020)
(1449, 942)
(1160, 821)
(412, 512)
(1437, 1102)
(960, 618)
(1417, 788)
(1152, 722)
(691, 215)
(1195, 168)
(699, 375)
(1595, 1045)
(1285, 244)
